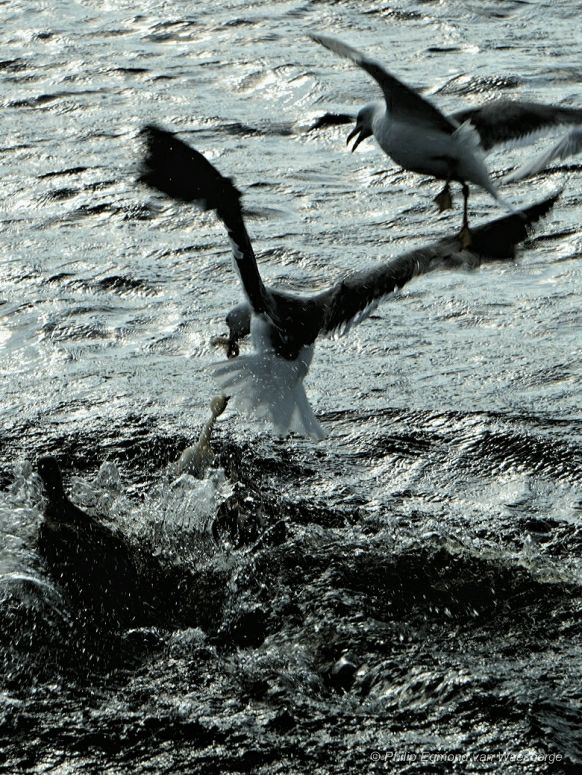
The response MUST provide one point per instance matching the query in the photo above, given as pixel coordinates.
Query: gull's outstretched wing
(501, 121)
(403, 102)
(172, 167)
(569, 145)
(351, 300)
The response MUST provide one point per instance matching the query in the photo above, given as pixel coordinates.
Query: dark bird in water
(90, 560)
(418, 137)
(285, 325)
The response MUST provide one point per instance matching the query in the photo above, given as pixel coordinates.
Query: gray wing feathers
(502, 121)
(354, 298)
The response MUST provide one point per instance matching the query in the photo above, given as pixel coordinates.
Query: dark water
(403, 596)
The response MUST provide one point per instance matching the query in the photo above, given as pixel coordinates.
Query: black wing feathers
(494, 240)
(181, 172)
(184, 174)
(501, 121)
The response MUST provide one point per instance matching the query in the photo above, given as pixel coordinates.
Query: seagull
(417, 136)
(569, 145)
(283, 325)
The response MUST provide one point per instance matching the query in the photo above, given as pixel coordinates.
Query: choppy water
(408, 588)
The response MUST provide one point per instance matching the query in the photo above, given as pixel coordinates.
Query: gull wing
(174, 168)
(351, 300)
(569, 145)
(501, 121)
(354, 298)
(403, 102)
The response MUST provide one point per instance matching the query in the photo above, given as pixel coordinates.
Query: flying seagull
(285, 325)
(417, 136)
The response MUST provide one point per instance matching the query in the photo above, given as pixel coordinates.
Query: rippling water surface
(405, 590)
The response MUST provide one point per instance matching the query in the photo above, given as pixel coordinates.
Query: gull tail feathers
(469, 138)
(271, 388)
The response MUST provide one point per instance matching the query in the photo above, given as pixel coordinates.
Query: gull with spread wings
(417, 136)
(283, 325)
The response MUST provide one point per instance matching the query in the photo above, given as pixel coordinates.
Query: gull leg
(444, 200)
(465, 235)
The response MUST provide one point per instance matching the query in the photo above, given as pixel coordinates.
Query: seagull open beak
(360, 133)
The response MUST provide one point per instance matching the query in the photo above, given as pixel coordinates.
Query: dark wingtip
(497, 239)
(171, 166)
